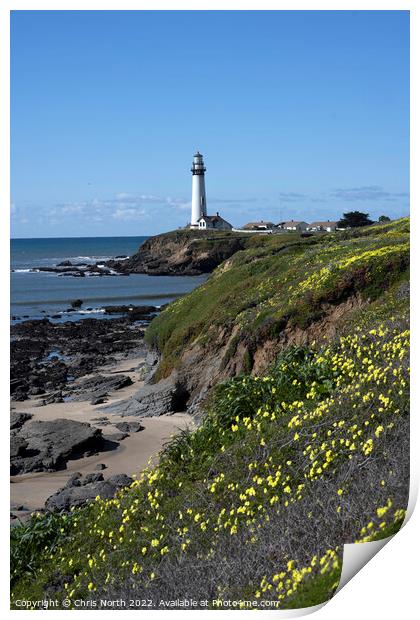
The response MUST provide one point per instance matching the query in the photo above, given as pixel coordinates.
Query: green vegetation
(354, 219)
(256, 504)
(280, 280)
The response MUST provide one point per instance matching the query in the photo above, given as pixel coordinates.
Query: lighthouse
(200, 220)
(198, 202)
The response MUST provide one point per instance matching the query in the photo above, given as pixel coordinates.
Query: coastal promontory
(182, 252)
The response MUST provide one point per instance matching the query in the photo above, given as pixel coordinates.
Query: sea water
(37, 294)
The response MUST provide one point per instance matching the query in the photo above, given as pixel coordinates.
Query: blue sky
(299, 114)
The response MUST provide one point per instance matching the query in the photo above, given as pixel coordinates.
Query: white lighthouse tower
(198, 203)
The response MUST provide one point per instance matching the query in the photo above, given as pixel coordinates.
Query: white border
(388, 585)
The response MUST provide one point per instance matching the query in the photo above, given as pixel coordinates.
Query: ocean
(37, 294)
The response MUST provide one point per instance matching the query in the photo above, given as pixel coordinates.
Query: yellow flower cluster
(285, 583)
(317, 279)
(281, 450)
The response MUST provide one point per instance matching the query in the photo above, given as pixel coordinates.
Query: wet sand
(130, 457)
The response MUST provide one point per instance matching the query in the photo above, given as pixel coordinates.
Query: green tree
(384, 218)
(354, 219)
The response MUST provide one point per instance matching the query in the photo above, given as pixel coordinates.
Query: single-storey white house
(327, 226)
(213, 222)
(294, 225)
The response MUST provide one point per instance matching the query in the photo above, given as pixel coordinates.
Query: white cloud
(128, 214)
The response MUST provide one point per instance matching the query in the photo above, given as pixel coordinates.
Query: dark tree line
(354, 219)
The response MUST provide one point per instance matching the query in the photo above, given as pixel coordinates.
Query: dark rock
(17, 419)
(98, 400)
(66, 498)
(84, 346)
(18, 446)
(48, 445)
(100, 466)
(65, 263)
(73, 274)
(166, 397)
(19, 395)
(76, 303)
(96, 477)
(133, 310)
(121, 480)
(74, 480)
(98, 387)
(116, 436)
(123, 426)
(129, 427)
(103, 420)
(135, 427)
(55, 397)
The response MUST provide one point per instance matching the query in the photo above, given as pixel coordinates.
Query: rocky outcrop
(48, 445)
(182, 252)
(79, 270)
(78, 491)
(166, 397)
(47, 358)
(135, 313)
(18, 419)
(96, 388)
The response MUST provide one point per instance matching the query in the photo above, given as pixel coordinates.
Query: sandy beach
(130, 457)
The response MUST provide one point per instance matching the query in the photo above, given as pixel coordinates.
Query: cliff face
(286, 291)
(182, 252)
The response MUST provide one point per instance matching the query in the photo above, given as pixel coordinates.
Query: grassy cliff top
(283, 279)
